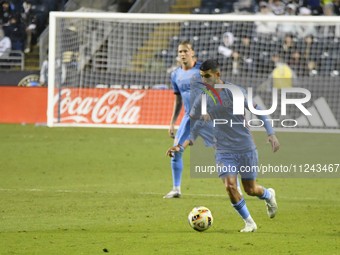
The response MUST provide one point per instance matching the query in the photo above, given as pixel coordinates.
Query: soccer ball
(200, 218)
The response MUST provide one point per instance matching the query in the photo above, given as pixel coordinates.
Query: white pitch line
(154, 193)
(200, 195)
(60, 191)
(220, 195)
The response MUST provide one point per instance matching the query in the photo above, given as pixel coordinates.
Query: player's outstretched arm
(182, 136)
(195, 114)
(176, 111)
(271, 134)
(274, 142)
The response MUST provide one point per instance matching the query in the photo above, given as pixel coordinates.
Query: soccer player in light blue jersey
(186, 81)
(235, 148)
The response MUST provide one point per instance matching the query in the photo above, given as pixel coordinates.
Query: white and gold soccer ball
(200, 218)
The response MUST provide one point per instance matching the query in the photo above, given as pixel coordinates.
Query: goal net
(112, 69)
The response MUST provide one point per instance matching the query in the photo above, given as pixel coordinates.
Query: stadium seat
(336, 45)
(275, 44)
(206, 10)
(174, 42)
(215, 41)
(226, 26)
(216, 11)
(327, 63)
(226, 10)
(187, 29)
(228, 5)
(265, 56)
(204, 27)
(204, 55)
(195, 10)
(221, 10)
(333, 43)
(207, 43)
(262, 41)
(215, 25)
(168, 56)
(211, 4)
(196, 42)
(202, 10)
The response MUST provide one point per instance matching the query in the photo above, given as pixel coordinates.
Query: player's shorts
(204, 130)
(233, 163)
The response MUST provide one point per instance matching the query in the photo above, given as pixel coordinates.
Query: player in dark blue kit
(186, 81)
(235, 149)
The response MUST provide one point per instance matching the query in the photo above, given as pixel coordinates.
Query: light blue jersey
(234, 136)
(189, 84)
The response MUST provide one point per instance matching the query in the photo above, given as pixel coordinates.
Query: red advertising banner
(23, 104)
(88, 106)
(115, 106)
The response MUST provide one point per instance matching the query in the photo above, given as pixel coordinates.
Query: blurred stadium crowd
(277, 7)
(242, 48)
(22, 21)
(256, 48)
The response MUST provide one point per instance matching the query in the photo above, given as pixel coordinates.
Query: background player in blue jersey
(186, 81)
(235, 148)
(181, 79)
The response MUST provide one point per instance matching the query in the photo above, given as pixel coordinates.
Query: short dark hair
(210, 64)
(186, 43)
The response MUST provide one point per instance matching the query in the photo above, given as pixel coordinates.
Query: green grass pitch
(92, 191)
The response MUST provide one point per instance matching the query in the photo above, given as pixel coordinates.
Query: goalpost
(113, 69)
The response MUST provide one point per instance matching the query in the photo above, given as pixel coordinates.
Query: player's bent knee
(250, 191)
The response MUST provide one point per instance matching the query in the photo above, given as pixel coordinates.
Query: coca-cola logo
(103, 109)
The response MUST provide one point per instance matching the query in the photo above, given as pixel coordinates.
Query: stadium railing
(14, 58)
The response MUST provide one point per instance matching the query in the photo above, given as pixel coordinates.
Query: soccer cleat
(173, 194)
(250, 227)
(271, 204)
